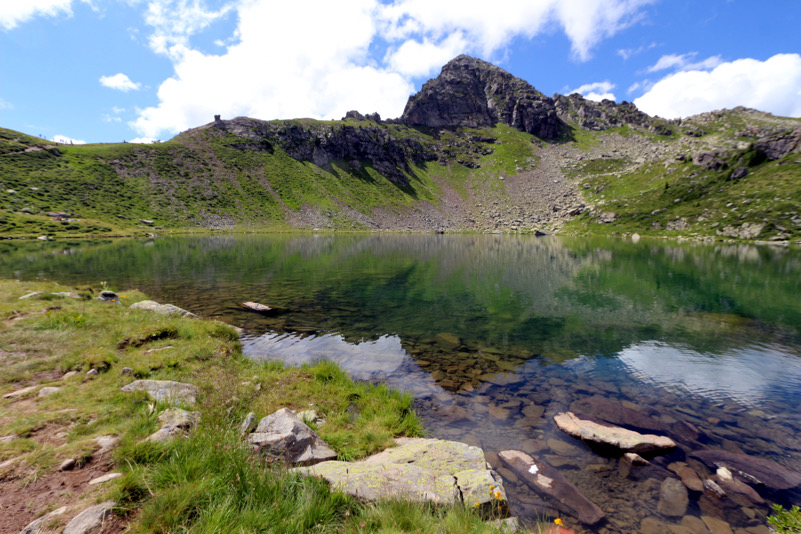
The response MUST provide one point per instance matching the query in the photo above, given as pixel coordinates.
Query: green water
(496, 334)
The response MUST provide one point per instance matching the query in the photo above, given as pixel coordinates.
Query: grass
(786, 521)
(209, 481)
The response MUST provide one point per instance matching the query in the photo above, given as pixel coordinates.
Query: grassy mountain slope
(621, 172)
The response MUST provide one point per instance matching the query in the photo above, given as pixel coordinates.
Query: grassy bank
(206, 482)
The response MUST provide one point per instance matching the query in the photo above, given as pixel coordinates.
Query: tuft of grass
(786, 521)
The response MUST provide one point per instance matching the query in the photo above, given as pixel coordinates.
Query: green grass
(786, 521)
(209, 481)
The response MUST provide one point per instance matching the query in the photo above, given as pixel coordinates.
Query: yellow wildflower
(558, 521)
(498, 494)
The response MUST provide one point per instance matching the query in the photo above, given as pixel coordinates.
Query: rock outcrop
(472, 93)
(429, 470)
(90, 519)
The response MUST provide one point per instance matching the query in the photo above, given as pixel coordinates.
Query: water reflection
(497, 334)
(749, 376)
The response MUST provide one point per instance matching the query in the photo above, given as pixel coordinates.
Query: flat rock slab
(90, 519)
(546, 480)
(425, 470)
(35, 526)
(282, 435)
(609, 435)
(163, 309)
(19, 393)
(48, 390)
(751, 469)
(174, 393)
(105, 478)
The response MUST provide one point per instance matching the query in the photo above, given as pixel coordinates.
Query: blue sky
(137, 70)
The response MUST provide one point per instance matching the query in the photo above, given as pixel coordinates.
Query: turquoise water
(496, 334)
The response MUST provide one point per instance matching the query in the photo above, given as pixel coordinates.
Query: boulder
(735, 488)
(109, 296)
(608, 435)
(91, 519)
(546, 480)
(428, 470)
(256, 307)
(248, 424)
(174, 393)
(673, 498)
(751, 469)
(48, 390)
(163, 309)
(614, 412)
(105, 478)
(282, 435)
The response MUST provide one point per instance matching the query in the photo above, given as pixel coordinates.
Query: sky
(144, 70)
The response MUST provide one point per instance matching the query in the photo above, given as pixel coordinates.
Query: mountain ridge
(476, 149)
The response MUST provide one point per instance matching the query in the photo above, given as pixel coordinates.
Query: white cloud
(627, 53)
(773, 85)
(67, 140)
(15, 12)
(596, 91)
(144, 140)
(685, 62)
(175, 21)
(312, 58)
(120, 82)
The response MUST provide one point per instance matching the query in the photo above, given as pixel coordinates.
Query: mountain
(477, 149)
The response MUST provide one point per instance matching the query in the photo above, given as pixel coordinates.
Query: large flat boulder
(175, 393)
(163, 309)
(427, 470)
(547, 481)
(751, 469)
(609, 435)
(281, 435)
(91, 519)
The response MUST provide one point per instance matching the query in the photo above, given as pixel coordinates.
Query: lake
(494, 335)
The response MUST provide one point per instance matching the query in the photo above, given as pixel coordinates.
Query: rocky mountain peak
(472, 93)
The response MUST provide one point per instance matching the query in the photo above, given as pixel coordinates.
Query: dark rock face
(603, 115)
(322, 143)
(473, 93)
(779, 145)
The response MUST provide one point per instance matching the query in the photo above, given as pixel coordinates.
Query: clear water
(699, 334)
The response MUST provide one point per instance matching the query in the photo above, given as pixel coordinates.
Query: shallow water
(706, 340)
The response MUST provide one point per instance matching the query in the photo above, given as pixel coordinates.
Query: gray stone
(105, 478)
(174, 393)
(174, 422)
(36, 526)
(163, 309)
(47, 391)
(428, 470)
(106, 443)
(248, 424)
(611, 436)
(31, 295)
(92, 372)
(67, 464)
(126, 371)
(548, 481)
(109, 296)
(282, 435)
(90, 519)
(687, 475)
(673, 498)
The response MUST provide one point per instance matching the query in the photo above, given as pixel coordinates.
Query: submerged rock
(548, 481)
(611, 436)
(428, 470)
(282, 435)
(673, 498)
(751, 469)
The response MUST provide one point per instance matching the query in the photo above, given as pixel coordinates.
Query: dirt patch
(22, 500)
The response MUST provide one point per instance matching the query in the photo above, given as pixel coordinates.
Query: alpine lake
(495, 334)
